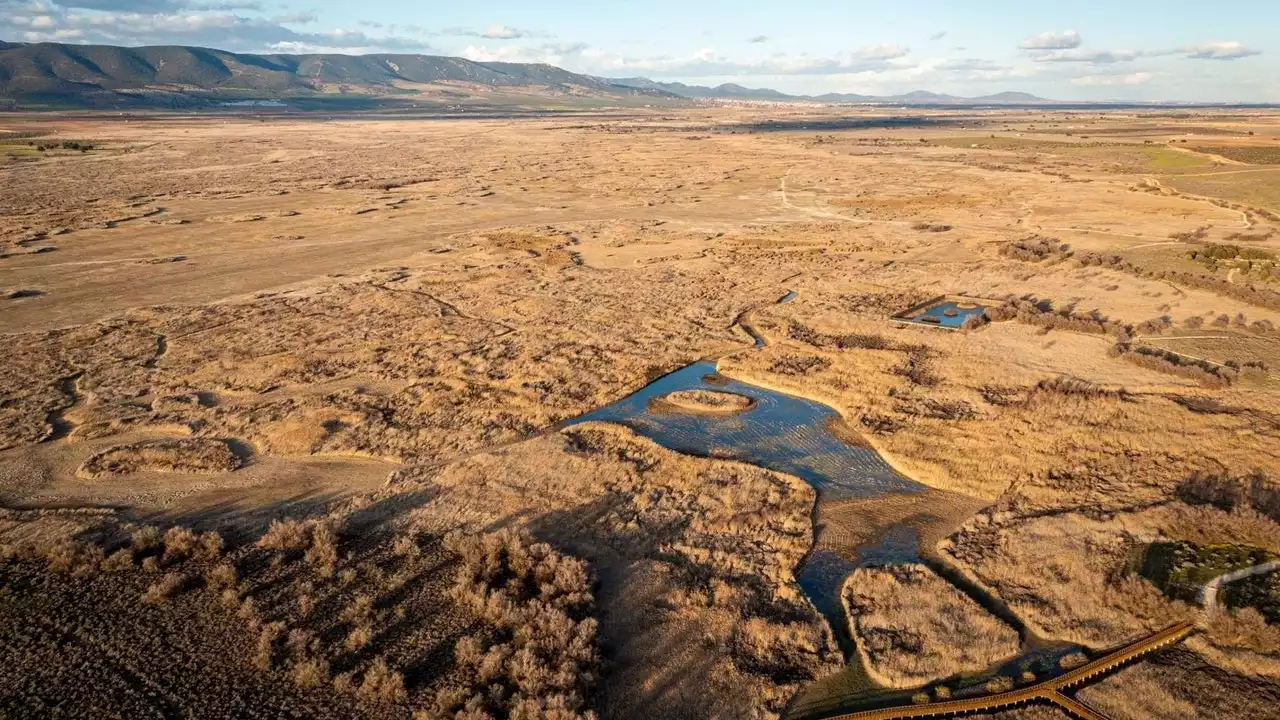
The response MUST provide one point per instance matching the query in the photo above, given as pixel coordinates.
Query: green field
(1253, 155)
(1150, 157)
(1260, 188)
(16, 147)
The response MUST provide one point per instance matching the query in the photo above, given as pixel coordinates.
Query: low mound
(913, 627)
(708, 401)
(188, 455)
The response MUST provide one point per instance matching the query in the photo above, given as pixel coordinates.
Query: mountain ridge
(109, 74)
(733, 91)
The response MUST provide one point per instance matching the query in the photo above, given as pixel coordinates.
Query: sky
(1137, 50)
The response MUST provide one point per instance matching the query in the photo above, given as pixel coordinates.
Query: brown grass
(913, 627)
(173, 456)
(708, 401)
(391, 309)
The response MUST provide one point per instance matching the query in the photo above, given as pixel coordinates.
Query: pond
(777, 431)
(947, 314)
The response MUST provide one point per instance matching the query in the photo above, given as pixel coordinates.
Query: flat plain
(282, 406)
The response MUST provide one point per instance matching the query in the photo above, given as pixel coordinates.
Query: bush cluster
(1163, 361)
(848, 341)
(799, 365)
(1253, 491)
(1031, 312)
(1196, 235)
(1035, 249)
(316, 539)
(1065, 386)
(66, 145)
(1229, 252)
(538, 658)
(1182, 568)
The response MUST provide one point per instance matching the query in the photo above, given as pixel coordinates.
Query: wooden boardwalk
(1047, 691)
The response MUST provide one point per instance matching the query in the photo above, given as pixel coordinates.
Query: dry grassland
(257, 373)
(913, 627)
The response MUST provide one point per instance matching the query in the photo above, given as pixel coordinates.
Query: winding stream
(809, 440)
(779, 432)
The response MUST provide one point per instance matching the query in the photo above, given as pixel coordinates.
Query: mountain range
(178, 76)
(731, 91)
(105, 75)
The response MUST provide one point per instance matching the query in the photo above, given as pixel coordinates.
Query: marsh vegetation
(321, 466)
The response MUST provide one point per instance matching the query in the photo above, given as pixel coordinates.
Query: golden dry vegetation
(912, 627)
(280, 402)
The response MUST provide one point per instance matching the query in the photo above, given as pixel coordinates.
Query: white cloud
(302, 18)
(502, 32)
(969, 64)
(938, 35)
(704, 63)
(492, 32)
(1103, 57)
(1052, 41)
(162, 22)
(1218, 51)
(758, 39)
(1138, 78)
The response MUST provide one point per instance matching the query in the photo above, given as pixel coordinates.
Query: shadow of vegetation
(239, 522)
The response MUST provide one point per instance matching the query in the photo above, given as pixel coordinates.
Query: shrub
(916, 367)
(382, 684)
(317, 538)
(1066, 386)
(310, 673)
(1038, 313)
(1198, 234)
(809, 336)
(168, 586)
(359, 637)
(1163, 361)
(286, 535)
(1073, 660)
(221, 576)
(1035, 249)
(211, 546)
(145, 538)
(539, 657)
(799, 365)
(1253, 491)
(1155, 326)
(268, 637)
(999, 684)
(179, 543)
(119, 560)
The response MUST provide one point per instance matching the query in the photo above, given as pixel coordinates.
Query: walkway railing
(1047, 691)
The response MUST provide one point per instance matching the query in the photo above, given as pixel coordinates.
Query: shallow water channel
(809, 440)
(779, 432)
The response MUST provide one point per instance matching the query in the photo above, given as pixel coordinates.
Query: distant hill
(104, 75)
(738, 92)
(178, 76)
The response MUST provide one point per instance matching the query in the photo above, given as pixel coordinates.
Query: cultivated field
(280, 407)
